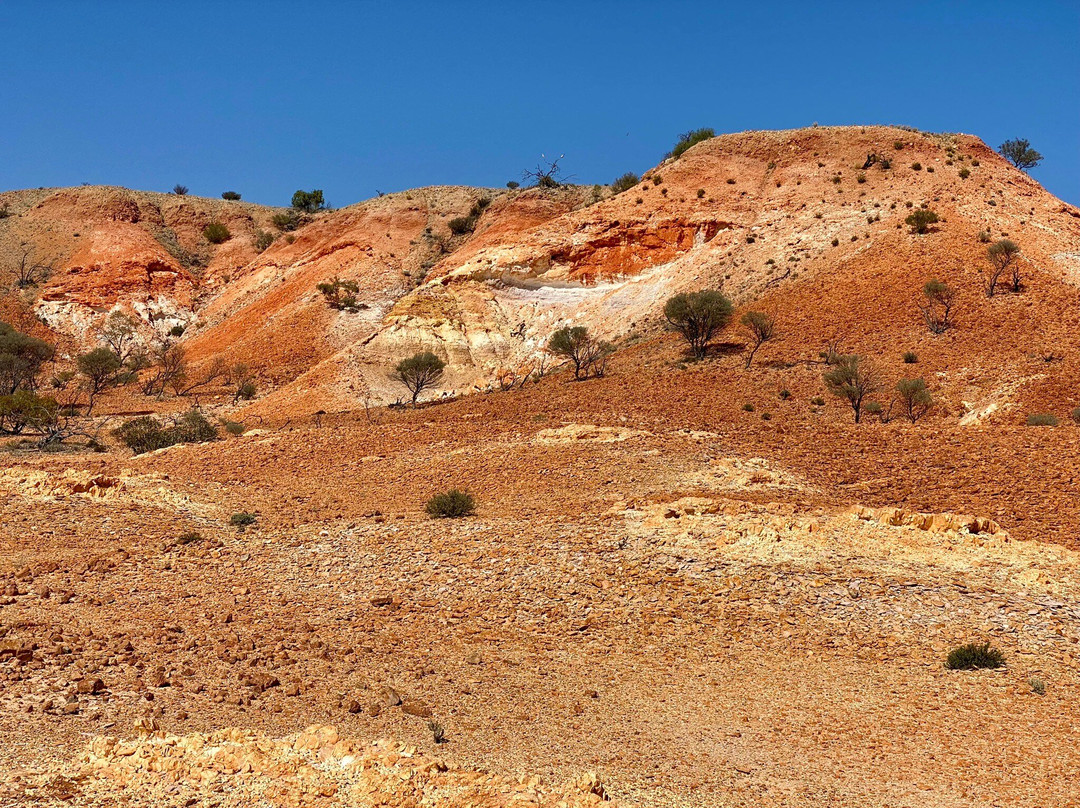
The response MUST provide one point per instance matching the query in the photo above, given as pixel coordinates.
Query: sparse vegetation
(910, 357)
(691, 138)
(915, 399)
(938, 305)
(216, 233)
(242, 519)
(262, 240)
(588, 356)
(513, 184)
(760, 328)
(99, 368)
(231, 196)
(452, 504)
(1042, 419)
(853, 378)
(920, 220)
(438, 734)
(698, 316)
(341, 294)
(700, 193)
(1075, 415)
(1003, 256)
(973, 656)
(461, 225)
(1020, 154)
(964, 173)
(625, 182)
(180, 190)
(419, 372)
(286, 220)
(21, 359)
(916, 166)
(1038, 686)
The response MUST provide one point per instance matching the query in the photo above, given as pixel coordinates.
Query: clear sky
(354, 97)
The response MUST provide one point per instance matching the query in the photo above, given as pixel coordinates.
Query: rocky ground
(657, 612)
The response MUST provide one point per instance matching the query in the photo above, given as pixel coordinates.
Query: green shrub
(920, 220)
(145, 434)
(451, 505)
(513, 184)
(341, 295)
(910, 357)
(853, 378)
(916, 166)
(885, 163)
(1038, 687)
(233, 427)
(700, 193)
(625, 182)
(860, 178)
(972, 656)
(587, 355)
(286, 220)
(748, 407)
(785, 394)
(242, 519)
(263, 240)
(25, 408)
(1042, 419)
(698, 316)
(836, 242)
(817, 401)
(691, 138)
(190, 537)
(180, 190)
(898, 145)
(232, 196)
(1075, 415)
(216, 233)
(177, 331)
(21, 358)
(964, 173)
(984, 236)
(308, 201)
(462, 224)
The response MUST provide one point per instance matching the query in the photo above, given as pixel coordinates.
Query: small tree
(419, 372)
(308, 201)
(341, 295)
(698, 316)
(547, 173)
(99, 368)
(586, 354)
(21, 358)
(853, 378)
(1020, 154)
(1004, 257)
(232, 196)
(761, 328)
(625, 182)
(691, 138)
(938, 307)
(915, 399)
(920, 220)
(118, 333)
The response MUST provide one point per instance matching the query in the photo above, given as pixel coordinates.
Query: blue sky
(264, 98)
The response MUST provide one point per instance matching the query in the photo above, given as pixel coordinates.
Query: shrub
(190, 537)
(937, 309)
(973, 655)
(836, 242)
(263, 240)
(232, 196)
(25, 408)
(910, 357)
(462, 224)
(691, 138)
(451, 505)
(233, 427)
(1020, 154)
(785, 394)
(99, 368)
(1004, 257)
(817, 401)
(438, 734)
(698, 316)
(1038, 687)
(853, 378)
(4, 212)
(964, 173)
(700, 193)
(916, 166)
(513, 184)
(286, 220)
(984, 236)
(915, 399)
(625, 182)
(145, 434)
(245, 391)
(1075, 415)
(21, 358)
(180, 190)
(216, 233)
(588, 356)
(341, 295)
(860, 178)
(920, 220)
(748, 407)
(308, 201)
(242, 519)
(898, 145)
(885, 163)
(761, 328)
(177, 331)
(1042, 419)
(419, 372)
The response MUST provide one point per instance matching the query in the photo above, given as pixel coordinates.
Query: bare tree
(216, 370)
(30, 272)
(171, 366)
(761, 328)
(547, 173)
